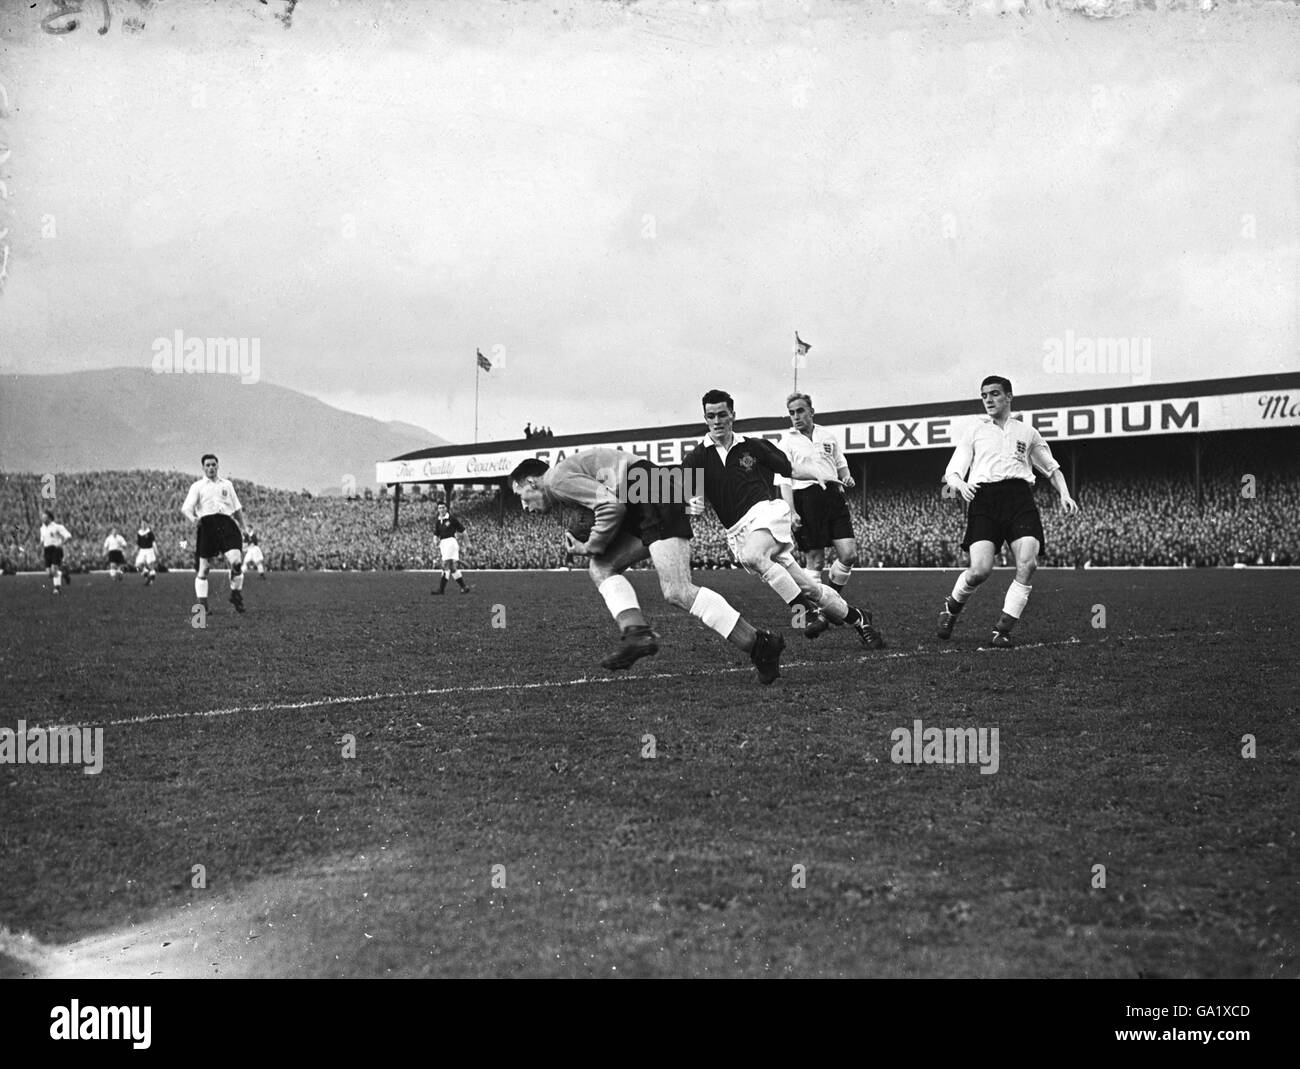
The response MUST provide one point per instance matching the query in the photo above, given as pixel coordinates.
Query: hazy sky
(631, 203)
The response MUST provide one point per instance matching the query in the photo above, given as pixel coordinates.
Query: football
(581, 521)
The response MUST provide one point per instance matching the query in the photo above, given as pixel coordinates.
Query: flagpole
(477, 371)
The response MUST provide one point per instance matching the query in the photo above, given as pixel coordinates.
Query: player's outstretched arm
(1068, 504)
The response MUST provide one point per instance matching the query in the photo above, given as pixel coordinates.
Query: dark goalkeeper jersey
(745, 479)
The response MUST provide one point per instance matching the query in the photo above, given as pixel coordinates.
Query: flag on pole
(800, 346)
(483, 361)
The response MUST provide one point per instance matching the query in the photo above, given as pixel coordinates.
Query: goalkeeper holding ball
(627, 529)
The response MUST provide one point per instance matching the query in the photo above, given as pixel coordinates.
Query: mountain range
(130, 418)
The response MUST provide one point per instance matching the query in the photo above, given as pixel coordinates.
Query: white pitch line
(272, 707)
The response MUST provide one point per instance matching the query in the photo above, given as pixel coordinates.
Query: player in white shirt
(213, 504)
(53, 535)
(1000, 454)
(115, 549)
(820, 513)
(253, 555)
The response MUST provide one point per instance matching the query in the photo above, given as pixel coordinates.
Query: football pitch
(356, 778)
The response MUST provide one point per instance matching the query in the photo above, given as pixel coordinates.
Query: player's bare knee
(1025, 570)
(977, 573)
(598, 571)
(849, 559)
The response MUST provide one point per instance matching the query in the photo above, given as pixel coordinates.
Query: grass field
(481, 745)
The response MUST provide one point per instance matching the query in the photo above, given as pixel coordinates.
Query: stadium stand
(1139, 506)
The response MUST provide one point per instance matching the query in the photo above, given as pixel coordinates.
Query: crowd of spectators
(1146, 517)
(532, 433)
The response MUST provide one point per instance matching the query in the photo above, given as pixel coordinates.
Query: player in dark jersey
(146, 556)
(629, 525)
(740, 483)
(447, 527)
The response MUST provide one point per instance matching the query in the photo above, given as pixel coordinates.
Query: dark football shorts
(218, 535)
(653, 521)
(824, 517)
(115, 557)
(1003, 512)
(53, 555)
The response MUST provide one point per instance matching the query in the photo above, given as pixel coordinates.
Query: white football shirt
(822, 451)
(54, 534)
(211, 497)
(993, 453)
(113, 542)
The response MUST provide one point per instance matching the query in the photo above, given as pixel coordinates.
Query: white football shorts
(771, 516)
(449, 548)
(146, 558)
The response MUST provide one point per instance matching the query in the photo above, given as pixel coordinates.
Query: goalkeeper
(627, 529)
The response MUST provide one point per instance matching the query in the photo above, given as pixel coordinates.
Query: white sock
(714, 611)
(782, 582)
(200, 587)
(619, 595)
(237, 581)
(963, 590)
(58, 579)
(832, 604)
(456, 575)
(1017, 598)
(840, 574)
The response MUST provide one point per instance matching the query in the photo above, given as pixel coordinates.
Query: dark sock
(1005, 623)
(954, 607)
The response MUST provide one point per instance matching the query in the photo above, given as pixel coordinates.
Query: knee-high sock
(201, 587)
(621, 601)
(1017, 598)
(962, 590)
(779, 579)
(834, 606)
(714, 611)
(840, 575)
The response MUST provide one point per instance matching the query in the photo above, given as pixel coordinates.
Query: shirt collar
(736, 439)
